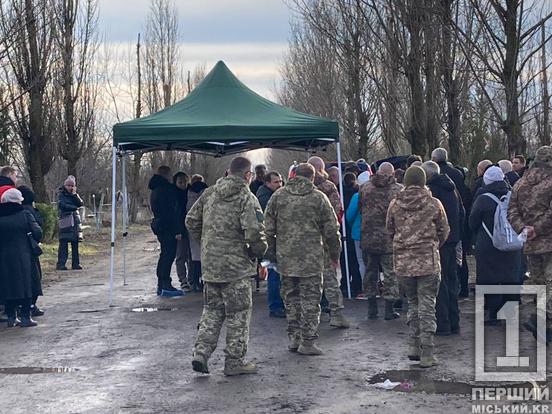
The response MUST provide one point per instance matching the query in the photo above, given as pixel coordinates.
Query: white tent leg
(344, 226)
(125, 213)
(113, 218)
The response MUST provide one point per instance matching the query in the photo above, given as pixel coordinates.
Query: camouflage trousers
(332, 289)
(371, 277)
(301, 297)
(225, 301)
(421, 292)
(540, 266)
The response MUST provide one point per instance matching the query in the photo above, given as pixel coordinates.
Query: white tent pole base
(344, 226)
(125, 212)
(113, 218)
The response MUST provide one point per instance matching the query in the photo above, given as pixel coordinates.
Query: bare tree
(26, 76)
(76, 45)
(504, 45)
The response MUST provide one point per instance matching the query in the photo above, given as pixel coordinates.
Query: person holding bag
(69, 222)
(17, 228)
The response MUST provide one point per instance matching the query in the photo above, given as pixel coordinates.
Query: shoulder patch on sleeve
(260, 216)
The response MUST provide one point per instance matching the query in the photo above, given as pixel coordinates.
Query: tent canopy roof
(223, 116)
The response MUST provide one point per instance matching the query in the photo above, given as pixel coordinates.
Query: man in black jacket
(272, 182)
(442, 188)
(260, 172)
(167, 225)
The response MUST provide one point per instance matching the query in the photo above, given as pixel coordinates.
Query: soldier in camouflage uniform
(377, 247)
(331, 283)
(418, 225)
(531, 208)
(228, 220)
(302, 231)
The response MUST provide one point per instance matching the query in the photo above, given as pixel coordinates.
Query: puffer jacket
(531, 205)
(164, 204)
(373, 203)
(417, 222)
(69, 204)
(302, 229)
(228, 220)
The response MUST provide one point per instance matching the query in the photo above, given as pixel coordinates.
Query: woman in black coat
(16, 257)
(28, 204)
(494, 267)
(69, 203)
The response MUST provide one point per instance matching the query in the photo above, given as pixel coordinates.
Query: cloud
(202, 20)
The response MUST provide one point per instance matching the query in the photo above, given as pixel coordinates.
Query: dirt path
(139, 362)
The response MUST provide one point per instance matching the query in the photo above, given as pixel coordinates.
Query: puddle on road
(153, 309)
(417, 381)
(35, 370)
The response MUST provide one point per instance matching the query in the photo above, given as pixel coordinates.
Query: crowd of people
(409, 229)
(21, 231)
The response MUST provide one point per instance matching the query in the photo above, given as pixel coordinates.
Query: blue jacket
(352, 218)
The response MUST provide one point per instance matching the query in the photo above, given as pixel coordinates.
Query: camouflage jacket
(418, 224)
(327, 187)
(300, 222)
(228, 220)
(373, 202)
(531, 205)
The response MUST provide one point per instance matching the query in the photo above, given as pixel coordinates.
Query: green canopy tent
(220, 116)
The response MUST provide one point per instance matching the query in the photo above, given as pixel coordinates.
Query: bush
(49, 215)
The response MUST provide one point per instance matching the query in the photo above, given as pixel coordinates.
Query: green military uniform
(377, 247)
(228, 220)
(300, 222)
(531, 205)
(418, 225)
(331, 283)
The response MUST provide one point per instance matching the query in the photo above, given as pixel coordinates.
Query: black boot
(372, 308)
(13, 322)
(27, 322)
(389, 313)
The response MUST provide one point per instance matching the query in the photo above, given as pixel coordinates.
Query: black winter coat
(263, 195)
(493, 266)
(36, 268)
(444, 190)
(458, 179)
(512, 178)
(16, 258)
(255, 185)
(69, 204)
(164, 203)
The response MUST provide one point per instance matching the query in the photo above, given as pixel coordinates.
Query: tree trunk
(545, 137)
(450, 84)
(512, 124)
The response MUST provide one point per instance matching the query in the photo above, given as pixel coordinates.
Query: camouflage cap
(415, 176)
(544, 155)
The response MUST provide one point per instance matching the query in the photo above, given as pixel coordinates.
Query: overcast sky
(249, 35)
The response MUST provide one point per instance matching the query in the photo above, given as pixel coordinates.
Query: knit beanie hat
(13, 195)
(544, 155)
(415, 176)
(70, 180)
(363, 178)
(27, 193)
(493, 174)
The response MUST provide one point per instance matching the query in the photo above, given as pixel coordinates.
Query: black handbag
(36, 250)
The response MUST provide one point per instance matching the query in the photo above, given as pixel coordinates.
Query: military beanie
(415, 176)
(544, 155)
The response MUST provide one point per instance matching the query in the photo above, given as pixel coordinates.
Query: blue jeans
(273, 291)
